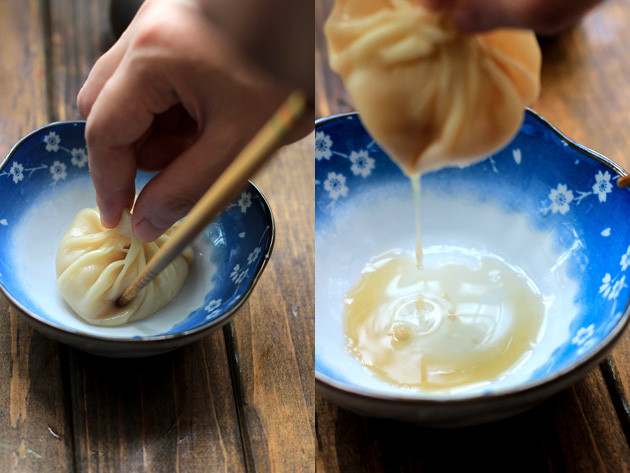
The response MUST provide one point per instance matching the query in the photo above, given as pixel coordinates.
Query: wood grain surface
(241, 399)
(586, 428)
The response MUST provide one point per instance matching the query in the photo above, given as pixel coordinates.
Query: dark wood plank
(169, 413)
(35, 434)
(617, 374)
(22, 71)
(570, 432)
(594, 426)
(78, 33)
(274, 334)
(584, 81)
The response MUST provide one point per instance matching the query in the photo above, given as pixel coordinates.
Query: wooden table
(586, 428)
(241, 399)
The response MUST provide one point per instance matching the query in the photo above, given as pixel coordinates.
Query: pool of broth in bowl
(441, 326)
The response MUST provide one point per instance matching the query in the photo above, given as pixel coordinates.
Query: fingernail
(147, 230)
(108, 221)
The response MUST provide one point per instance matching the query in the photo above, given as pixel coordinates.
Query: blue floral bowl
(543, 204)
(45, 182)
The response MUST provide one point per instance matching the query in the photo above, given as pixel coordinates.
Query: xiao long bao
(95, 265)
(428, 94)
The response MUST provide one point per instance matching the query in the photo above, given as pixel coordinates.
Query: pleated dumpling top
(430, 95)
(95, 265)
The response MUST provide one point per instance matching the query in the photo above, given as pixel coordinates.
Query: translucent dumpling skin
(95, 265)
(430, 95)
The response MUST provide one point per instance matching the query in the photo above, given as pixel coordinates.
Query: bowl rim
(561, 378)
(148, 339)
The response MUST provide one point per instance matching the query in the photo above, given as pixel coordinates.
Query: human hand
(542, 16)
(174, 95)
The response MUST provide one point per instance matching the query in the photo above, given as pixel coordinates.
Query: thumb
(171, 194)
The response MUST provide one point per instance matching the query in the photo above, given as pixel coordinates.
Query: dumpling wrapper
(95, 265)
(430, 95)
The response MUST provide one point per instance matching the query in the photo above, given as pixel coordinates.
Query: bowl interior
(45, 182)
(542, 204)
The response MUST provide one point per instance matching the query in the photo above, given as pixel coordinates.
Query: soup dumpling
(95, 265)
(429, 94)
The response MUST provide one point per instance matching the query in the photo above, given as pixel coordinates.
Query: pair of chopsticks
(224, 189)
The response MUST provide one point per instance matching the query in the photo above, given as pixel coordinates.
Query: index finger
(120, 116)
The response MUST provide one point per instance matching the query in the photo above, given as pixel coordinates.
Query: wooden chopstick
(224, 189)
